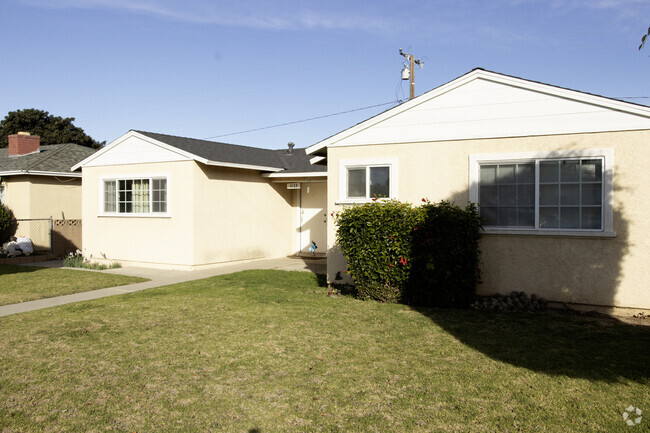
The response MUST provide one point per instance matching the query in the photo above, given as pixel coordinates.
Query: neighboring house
(164, 201)
(560, 176)
(37, 181)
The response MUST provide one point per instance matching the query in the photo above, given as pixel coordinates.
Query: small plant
(77, 260)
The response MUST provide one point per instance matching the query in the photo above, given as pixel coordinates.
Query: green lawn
(28, 283)
(269, 351)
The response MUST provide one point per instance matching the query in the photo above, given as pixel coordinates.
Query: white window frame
(346, 164)
(607, 155)
(145, 176)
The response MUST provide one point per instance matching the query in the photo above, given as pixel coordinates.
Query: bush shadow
(601, 349)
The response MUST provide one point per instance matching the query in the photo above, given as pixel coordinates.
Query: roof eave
(303, 174)
(237, 165)
(38, 173)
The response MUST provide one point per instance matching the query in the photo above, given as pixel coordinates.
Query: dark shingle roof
(55, 158)
(297, 162)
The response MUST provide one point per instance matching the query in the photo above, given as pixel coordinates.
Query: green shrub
(376, 241)
(445, 256)
(8, 224)
(426, 256)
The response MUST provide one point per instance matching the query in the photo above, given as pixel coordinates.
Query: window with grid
(135, 196)
(564, 194)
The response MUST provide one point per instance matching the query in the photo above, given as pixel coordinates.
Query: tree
(51, 129)
(644, 38)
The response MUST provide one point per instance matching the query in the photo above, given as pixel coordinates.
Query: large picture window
(564, 194)
(135, 196)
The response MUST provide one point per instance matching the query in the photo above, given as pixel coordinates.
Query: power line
(304, 120)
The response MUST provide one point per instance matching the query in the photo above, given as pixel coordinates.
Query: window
(555, 192)
(363, 180)
(368, 182)
(135, 196)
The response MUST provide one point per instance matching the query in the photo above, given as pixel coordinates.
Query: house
(559, 175)
(172, 202)
(37, 183)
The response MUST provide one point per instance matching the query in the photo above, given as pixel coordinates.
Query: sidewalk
(163, 277)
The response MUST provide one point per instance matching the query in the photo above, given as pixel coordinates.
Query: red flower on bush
(392, 237)
(403, 261)
(415, 229)
(424, 200)
(390, 264)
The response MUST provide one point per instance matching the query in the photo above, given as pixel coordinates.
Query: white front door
(313, 217)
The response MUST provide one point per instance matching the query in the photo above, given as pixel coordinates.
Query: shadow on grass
(321, 280)
(595, 349)
(17, 269)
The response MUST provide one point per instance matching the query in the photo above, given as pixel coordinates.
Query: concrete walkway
(163, 277)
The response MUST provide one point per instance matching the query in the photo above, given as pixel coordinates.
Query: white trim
(548, 89)
(236, 165)
(366, 162)
(158, 175)
(316, 159)
(39, 173)
(305, 174)
(608, 187)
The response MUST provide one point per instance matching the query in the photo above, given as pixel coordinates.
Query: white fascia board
(316, 159)
(236, 165)
(549, 89)
(143, 137)
(305, 174)
(38, 173)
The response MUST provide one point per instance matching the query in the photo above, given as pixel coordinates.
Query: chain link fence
(38, 230)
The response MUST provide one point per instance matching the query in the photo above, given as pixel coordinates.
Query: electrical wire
(304, 120)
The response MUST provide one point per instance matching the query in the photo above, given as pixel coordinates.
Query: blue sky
(204, 69)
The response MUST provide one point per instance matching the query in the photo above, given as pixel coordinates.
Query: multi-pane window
(368, 182)
(135, 196)
(543, 194)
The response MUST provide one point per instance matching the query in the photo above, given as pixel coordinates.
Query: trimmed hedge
(445, 257)
(376, 239)
(425, 255)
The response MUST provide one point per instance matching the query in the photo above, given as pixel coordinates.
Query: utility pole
(409, 72)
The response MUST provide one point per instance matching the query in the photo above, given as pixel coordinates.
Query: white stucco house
(164, 201)
(559, 175)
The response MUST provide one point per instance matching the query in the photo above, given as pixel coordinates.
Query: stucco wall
(239, 215)
(596, 271)
(43, 197)
(216, 215)
(145, 240)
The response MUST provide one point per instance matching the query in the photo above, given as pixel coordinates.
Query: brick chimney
(23, 144)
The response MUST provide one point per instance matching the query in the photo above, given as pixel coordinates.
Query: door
(313, 217)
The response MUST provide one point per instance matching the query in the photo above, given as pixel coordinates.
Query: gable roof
(486, 104)
(50, 160)
(220, 154)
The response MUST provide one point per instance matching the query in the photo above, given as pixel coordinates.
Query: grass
(269, 351)
(28, 283)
